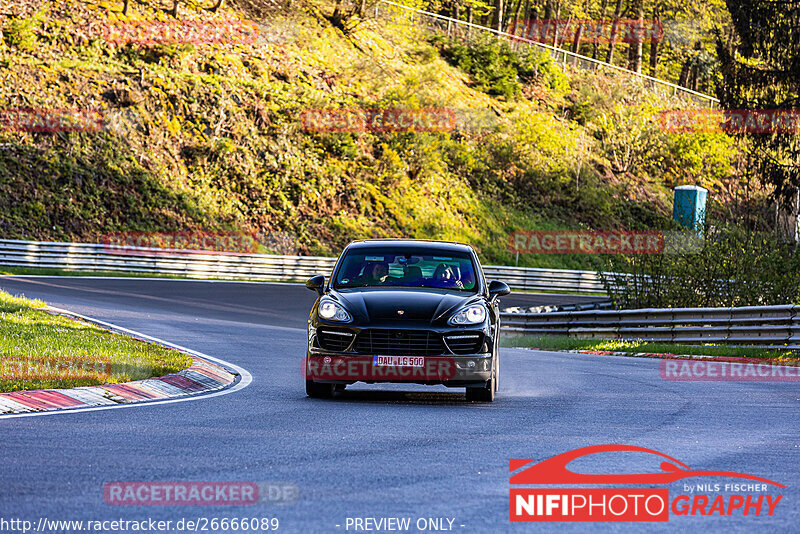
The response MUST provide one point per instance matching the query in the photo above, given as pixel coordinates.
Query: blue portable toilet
(689, 208)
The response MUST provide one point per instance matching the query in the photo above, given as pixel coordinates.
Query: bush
(540, 67)
(704, 158)
(20, 33)
(498, 70)
(735, 267)
(628, 136)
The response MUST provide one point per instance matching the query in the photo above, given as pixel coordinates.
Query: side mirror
(498, 289)
(316, 283)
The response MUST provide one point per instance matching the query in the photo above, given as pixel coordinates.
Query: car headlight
(470, 315)
(332, 311)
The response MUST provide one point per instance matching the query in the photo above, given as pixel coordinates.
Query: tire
(497, 362)
(320, 391)
(484, 394)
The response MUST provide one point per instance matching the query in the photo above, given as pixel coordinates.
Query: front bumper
(449, 370)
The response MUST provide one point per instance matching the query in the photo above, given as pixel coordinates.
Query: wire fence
(463, 30)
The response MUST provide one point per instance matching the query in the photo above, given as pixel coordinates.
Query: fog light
(471, 364)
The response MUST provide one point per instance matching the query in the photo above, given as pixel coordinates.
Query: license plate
(398, 361)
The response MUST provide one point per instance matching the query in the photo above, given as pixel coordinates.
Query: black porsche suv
(405, 311)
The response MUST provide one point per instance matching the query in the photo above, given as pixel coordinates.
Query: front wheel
(317, 390)
(497, 368)
(485, 393)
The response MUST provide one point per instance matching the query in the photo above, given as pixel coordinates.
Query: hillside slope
(215, 136)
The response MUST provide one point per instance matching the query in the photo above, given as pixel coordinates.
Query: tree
(497, 15)
(617, 13)
(635, 47)
(760, 68)
(603, 9)
(516, 15)
(656, 19)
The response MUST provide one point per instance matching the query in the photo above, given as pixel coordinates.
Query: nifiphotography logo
(646, 503)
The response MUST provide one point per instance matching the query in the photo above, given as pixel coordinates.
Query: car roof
(422, 244)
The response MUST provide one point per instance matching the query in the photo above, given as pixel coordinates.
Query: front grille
(464, 342)
(399, 342)
(336, 339)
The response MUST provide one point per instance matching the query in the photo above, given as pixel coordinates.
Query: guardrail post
(729, 325)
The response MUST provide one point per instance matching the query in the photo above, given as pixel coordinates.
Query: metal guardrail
(197, 264)
(189, 263)
(460, 28)
(776, 326)
(758, 325)
(599, 305)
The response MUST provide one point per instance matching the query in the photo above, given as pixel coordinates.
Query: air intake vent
(464, 342)
(399, 342)
(335, 339)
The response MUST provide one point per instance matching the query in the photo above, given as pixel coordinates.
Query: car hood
(375, 304)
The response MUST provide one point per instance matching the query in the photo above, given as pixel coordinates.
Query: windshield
(407, 268)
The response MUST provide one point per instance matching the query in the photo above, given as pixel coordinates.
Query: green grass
(36, 346)
(567, 343)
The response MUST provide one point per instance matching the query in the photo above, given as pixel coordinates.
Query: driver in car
(375, 274)
(445, 277)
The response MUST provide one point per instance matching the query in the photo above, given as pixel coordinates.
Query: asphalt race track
(392, 451)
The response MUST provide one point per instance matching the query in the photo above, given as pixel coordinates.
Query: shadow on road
(399, 397)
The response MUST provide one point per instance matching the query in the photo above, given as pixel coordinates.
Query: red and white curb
(206, 377)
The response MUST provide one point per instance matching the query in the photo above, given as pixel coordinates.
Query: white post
(796, 235)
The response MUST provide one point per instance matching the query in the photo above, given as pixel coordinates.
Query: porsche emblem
(400, 312)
